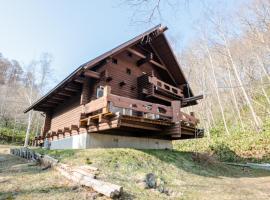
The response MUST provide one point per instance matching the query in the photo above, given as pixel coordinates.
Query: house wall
(118, 72)
(67, 114)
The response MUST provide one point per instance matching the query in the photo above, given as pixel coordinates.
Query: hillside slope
(239, 145)
(181, 175)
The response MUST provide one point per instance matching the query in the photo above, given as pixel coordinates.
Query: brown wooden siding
(67, 114)
(118, 73)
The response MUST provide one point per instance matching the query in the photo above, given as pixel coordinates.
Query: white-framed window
(100, 91)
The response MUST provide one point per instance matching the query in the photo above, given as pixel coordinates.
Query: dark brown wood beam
(50, 104)
(79, 80)
(68, 94)
(46, 105)
(156, 53)
(148, 58)
(72, 89)
(191, 99)
(144, 56)
(61, 98)
(54, 101)
(92, 74)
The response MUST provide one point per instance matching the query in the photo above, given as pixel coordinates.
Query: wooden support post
(107, 90)
(85, 95)
(47, 123)
(176, 106)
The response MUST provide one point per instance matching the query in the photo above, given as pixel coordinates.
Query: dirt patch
(21, 180)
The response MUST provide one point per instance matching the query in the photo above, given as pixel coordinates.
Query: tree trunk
(234, 97)
(27, 136)
(256, 119)
(216, 89)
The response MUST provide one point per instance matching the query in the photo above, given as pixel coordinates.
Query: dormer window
(114, 61)
(100, 91)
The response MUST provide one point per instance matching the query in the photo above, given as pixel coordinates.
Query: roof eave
(96, 60)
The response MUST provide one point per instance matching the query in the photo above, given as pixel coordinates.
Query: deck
(117, 115)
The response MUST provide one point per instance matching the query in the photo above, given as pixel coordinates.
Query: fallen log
(264, 166)
(105, 188)
(83, 175)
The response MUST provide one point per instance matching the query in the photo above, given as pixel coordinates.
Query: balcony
(152, 87)
(121, 113)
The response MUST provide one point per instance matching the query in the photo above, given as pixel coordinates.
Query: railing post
(107, 90)
(176, 114)
(106, 93)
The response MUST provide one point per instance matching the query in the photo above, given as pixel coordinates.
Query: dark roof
(161, 44)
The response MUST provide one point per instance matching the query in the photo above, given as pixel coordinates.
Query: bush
(8, 135)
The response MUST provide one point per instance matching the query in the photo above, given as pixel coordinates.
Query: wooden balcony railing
(111, 103)
(151, 86)
(165, 86)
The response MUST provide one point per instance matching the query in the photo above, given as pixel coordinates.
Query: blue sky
(74, 32)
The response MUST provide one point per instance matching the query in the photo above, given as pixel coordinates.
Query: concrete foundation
(97, 140)
(73, 142)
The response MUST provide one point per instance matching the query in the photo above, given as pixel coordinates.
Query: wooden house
(130, 96)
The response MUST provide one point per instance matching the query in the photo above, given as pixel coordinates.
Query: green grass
(237, 147)
(240, 145)
(186, 175)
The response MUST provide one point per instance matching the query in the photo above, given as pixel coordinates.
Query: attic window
(129, 54)
(128, 71)
(122, 83)
(114, 61)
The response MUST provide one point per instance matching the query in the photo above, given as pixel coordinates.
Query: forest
(20, 86)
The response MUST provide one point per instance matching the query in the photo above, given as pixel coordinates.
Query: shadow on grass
(196, 163)
(13, 194)
(13, 166)
(204, 164)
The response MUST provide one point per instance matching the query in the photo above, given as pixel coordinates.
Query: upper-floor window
(100, 91)
(128, 71)
(114, 61)
(129, 54)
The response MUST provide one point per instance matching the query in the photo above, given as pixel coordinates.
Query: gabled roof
(159, 42)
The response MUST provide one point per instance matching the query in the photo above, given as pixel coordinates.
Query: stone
(151, 180)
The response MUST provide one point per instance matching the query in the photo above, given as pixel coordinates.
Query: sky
(74, 32)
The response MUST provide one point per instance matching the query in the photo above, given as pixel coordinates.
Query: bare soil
(20, 179)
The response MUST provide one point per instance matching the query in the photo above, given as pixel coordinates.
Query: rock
(151, 180)
(75, 187)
